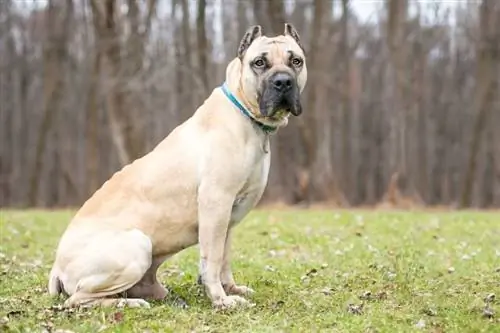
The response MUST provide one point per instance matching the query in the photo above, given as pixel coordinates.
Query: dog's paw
(239, 290)
(231, 302)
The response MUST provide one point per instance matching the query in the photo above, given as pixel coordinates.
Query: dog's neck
(251, 112)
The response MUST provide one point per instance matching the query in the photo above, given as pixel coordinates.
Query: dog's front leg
(227, 278)
(214, 212)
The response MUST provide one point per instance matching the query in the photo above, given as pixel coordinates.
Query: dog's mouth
(276, 108)
(280, 97)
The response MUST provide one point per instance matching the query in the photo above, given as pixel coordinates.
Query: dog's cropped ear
(290, 31)
(253, 33)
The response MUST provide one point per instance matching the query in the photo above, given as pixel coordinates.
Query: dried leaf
(367, 295)
(381, 295)
(277, 305)
(327, 291)
(488, 312)
(490, 298)
(355, 309)
(420, 324)
(430, 312)
(270, 268)
(117, 317)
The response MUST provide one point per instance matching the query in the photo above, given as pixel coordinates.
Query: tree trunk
(276, 13)
(91, 128)
(307, 122)
(133, 66)
(242, 20)
(495, 125)
(346, 102)
(107, 30)
(487, 61)
(7, 108)
(261, 15)
(54, 54)
(400, 184)
(202, 46)
(190, 86)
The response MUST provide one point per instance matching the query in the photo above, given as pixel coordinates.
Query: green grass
(407, 272)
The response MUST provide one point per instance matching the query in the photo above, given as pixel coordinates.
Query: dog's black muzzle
(280, 92)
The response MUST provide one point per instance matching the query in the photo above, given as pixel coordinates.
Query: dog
(192, 188)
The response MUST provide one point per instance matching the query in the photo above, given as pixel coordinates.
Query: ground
(322, 270)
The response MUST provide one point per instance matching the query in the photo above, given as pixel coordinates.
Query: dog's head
(270, 73)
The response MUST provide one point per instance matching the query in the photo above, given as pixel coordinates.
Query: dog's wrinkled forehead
(277, 49)
(254, 44)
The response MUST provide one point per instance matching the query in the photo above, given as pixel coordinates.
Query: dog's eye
(296, 62)
(259, 63)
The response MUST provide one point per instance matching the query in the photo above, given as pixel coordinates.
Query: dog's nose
(282, 82)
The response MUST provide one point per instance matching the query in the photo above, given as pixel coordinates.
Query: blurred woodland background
(402, 108)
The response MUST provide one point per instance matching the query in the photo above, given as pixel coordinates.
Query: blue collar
(266, 128)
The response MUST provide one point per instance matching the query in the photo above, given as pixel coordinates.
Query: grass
(313, 271)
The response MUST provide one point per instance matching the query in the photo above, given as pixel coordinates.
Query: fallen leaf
(430, 312)
(117, 317)
(367, 295)
(490, 298)
(327, 291)
(313, 272)
(48, 325)
(355, 309)
(277, 305)
(57, 308)
(488, 312)
(381, 295)
(420, 324)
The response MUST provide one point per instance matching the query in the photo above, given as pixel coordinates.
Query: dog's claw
(239, 290)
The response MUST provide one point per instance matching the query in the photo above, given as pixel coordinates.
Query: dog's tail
(55, 284)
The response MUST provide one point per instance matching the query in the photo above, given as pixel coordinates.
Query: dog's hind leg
(55, 285)
(110, 263)
(149, 287)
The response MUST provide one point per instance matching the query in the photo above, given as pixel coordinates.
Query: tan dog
(192, 188)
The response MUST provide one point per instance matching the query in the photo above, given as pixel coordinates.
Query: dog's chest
(253, 189)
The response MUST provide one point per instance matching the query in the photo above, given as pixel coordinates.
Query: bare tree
(89, 87)
(486, 77)
(106, 27)
(346, 99)
(202, 45)
(54, 54)
(92, 119)
(400, 181)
